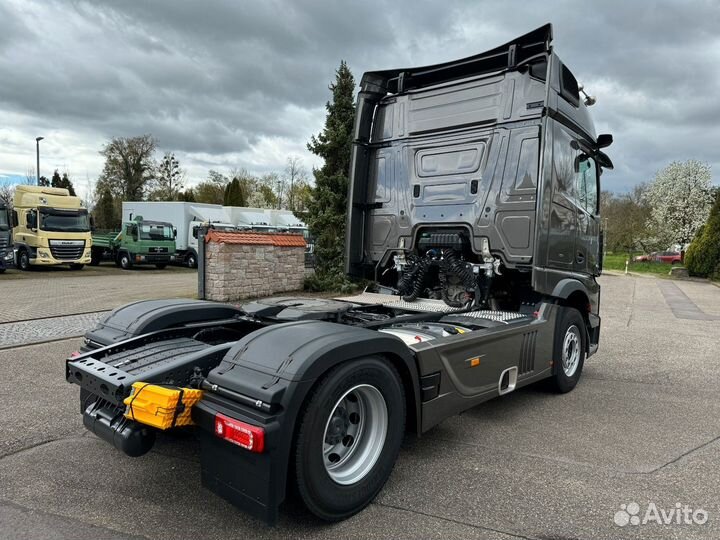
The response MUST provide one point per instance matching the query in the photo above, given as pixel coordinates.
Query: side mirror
(174, 233)
(31, 221)
(603, 160)
(604, 140)
(15, 221)
(92, 224)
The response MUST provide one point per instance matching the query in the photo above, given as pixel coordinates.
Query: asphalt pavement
(640, 431)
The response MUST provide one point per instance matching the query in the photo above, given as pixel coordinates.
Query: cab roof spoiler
(509, 56)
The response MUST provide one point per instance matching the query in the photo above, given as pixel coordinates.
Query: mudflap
(253, 482)
(242, 478)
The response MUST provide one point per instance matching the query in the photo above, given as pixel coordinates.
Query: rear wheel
(125, 261)
(24, 260)
(569, 351)
(191, 260)
(349, 438)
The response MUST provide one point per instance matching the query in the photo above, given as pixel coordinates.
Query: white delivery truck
(186, 218)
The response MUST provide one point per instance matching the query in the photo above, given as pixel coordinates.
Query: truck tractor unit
(50, 227)
(137, 242)
(473, 205)
(6, 249)
(186, 218)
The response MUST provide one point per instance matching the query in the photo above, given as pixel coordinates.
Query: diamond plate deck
(424, 305)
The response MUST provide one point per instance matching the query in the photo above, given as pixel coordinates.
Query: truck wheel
(569, 350)
(77, 266)
(349, 437)
(24, 261)
(95, 257)
(125, 261)
(191, 261)
(160, 266)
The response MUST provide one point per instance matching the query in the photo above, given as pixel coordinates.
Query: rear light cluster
(244, 435)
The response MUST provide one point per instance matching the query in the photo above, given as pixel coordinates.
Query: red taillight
(74, 354)
(244, 435)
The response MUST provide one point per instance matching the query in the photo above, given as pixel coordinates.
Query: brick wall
(248, 265)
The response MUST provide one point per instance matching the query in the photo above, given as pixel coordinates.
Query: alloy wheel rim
(355, 434)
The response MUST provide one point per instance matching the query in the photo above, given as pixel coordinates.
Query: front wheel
(569, 350)
(24, 261)
(125, 261)
(349, 438)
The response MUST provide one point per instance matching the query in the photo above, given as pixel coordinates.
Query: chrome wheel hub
(571, 351)
(355, 434)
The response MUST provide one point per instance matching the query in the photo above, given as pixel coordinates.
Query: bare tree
(7, 190)
(129, 168)
(295, 174)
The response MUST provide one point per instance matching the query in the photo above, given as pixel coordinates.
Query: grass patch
(616, 261)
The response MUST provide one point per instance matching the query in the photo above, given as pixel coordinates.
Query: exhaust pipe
(109, 423)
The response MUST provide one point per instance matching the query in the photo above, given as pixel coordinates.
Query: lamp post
(37, 148)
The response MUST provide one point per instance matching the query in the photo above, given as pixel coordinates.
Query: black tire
(24, 261)
(77, 266)
(95, 257)
(322, 495)
(566, 372)
(191, 260)
(125, 261)
(161, 266)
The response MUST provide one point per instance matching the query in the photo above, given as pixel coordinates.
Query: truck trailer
(185, 217)
(473, 204)
(50, 227)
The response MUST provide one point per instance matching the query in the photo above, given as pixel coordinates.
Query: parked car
(644, 258)
(671, 257)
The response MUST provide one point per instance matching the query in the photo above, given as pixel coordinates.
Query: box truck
(185, 217)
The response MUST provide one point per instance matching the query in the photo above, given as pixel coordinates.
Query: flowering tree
(680, 197)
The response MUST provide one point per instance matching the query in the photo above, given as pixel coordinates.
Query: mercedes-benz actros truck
(473, 205)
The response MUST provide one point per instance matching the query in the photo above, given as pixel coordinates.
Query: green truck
(137, 242)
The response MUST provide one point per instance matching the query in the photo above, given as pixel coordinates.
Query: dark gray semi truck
(473, 205)
(6, 246)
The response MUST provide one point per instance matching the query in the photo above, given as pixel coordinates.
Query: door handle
(580, 257)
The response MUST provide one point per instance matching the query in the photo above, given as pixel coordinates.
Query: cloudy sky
(243, 83)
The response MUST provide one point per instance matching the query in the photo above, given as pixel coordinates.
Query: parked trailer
(485, 247)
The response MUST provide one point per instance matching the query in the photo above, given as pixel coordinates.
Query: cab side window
(586, 185)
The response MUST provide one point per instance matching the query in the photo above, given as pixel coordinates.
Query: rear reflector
(244, 435)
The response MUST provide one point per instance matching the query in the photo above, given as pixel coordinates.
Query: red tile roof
(256, 238)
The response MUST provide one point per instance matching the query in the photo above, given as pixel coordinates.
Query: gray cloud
(244, 84)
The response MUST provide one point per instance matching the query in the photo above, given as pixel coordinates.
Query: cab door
(587, 244)
(562, 225)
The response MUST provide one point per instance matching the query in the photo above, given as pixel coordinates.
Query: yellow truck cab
(50, 227)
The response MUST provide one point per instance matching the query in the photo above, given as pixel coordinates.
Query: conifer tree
(327, 207)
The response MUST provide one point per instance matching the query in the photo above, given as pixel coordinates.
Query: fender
(565, 287)
(150, 315)
(278, 366)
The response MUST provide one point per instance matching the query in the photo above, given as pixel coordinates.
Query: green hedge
(703, 256)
